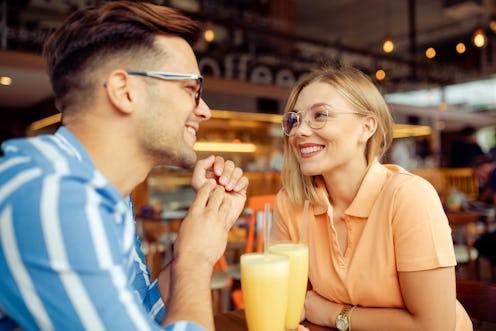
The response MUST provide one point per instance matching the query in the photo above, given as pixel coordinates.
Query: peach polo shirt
(395, 223)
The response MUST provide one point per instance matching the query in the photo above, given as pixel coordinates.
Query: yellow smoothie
(264, 284)
(298, 278)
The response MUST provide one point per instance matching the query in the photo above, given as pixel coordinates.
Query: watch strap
(343, 321)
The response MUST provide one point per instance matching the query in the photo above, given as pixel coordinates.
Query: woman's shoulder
(400, 179)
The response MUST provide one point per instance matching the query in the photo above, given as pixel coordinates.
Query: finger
(203, 194)
(205, 163)
(227, 173)
(200, 171)
(236, 175)
(218, 166)
(242, 184)
(216, 198)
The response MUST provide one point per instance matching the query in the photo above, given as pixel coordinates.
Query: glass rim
(173, 76)
(310, 123)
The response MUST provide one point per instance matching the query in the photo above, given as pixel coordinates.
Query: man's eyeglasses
(316, 117)
(174, 76)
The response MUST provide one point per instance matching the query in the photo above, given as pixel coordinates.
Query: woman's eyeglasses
(174, 76)
(316, 117)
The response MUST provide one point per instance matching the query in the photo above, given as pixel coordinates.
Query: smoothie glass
(264, 284)
(298, 278)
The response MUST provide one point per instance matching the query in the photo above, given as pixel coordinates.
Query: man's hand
(202, 236)
(227, 175)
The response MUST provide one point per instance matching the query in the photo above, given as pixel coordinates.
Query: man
(127, 83)
(464, 151)
(484, 168)
(484, 171)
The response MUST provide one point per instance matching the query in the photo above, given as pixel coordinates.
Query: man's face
(170, 118)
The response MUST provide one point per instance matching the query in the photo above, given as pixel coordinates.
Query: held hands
(227, 175)
(221, 195)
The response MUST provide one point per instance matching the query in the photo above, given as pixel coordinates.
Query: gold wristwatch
(343, 320)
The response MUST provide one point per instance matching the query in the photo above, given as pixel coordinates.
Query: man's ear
(119, 91)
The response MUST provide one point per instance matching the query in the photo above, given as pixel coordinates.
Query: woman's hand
(321, 311)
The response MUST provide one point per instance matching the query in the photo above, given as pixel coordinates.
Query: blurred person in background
(465, 150)
(485, 173)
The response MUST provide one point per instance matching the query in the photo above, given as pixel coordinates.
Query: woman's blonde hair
(364, 97)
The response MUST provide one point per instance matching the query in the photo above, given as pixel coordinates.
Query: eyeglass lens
(199, 91)
(316, 117)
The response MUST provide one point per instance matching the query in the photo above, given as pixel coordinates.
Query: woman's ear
(119, 91)
(368, 128)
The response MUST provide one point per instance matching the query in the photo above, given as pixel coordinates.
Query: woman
(380, 247)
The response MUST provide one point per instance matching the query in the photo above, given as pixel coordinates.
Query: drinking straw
(266, 227)
(304, 221)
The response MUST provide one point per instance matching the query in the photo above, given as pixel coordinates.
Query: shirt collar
(72, 144)
(368, 192)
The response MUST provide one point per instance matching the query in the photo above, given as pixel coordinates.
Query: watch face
(342, 324)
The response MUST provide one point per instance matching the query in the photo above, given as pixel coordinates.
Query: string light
(492, 24)
(430, 53)
(479, 38)
(388, 45)
(5, 80)
(460, 48)
(380, 74)
(209, 34)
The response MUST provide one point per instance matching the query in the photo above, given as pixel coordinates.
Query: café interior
(434, 61)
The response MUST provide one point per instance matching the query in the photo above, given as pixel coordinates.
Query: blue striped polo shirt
(70, 258)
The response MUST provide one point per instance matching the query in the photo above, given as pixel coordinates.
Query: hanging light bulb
(460, 48)
(479, 38)
(5, 80)
(380, 74)
(492, 23)
(430, 53)
(209, 34)
(388, 45)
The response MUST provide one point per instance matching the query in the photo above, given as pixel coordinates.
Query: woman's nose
(303, 128)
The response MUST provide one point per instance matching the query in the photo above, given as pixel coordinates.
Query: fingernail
(223, 180)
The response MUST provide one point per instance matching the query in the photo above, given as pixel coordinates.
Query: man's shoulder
(48, 154)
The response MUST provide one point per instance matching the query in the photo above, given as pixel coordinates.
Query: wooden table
(235, 321)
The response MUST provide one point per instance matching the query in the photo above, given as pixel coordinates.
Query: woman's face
(339, 144)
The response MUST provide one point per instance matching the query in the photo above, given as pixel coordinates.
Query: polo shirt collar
(368, 192)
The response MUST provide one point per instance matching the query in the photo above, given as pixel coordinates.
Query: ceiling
(364, 24)
(350, 30)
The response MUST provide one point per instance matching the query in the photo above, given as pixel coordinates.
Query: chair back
(463, 179)
(478, 298)
(445, 179)
(257, 204)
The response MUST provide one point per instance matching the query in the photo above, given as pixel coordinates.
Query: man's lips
(191, 130)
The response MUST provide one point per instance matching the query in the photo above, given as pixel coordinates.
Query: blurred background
(435, 62)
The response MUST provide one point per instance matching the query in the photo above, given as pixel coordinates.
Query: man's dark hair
(467, 131)
(90, 36)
